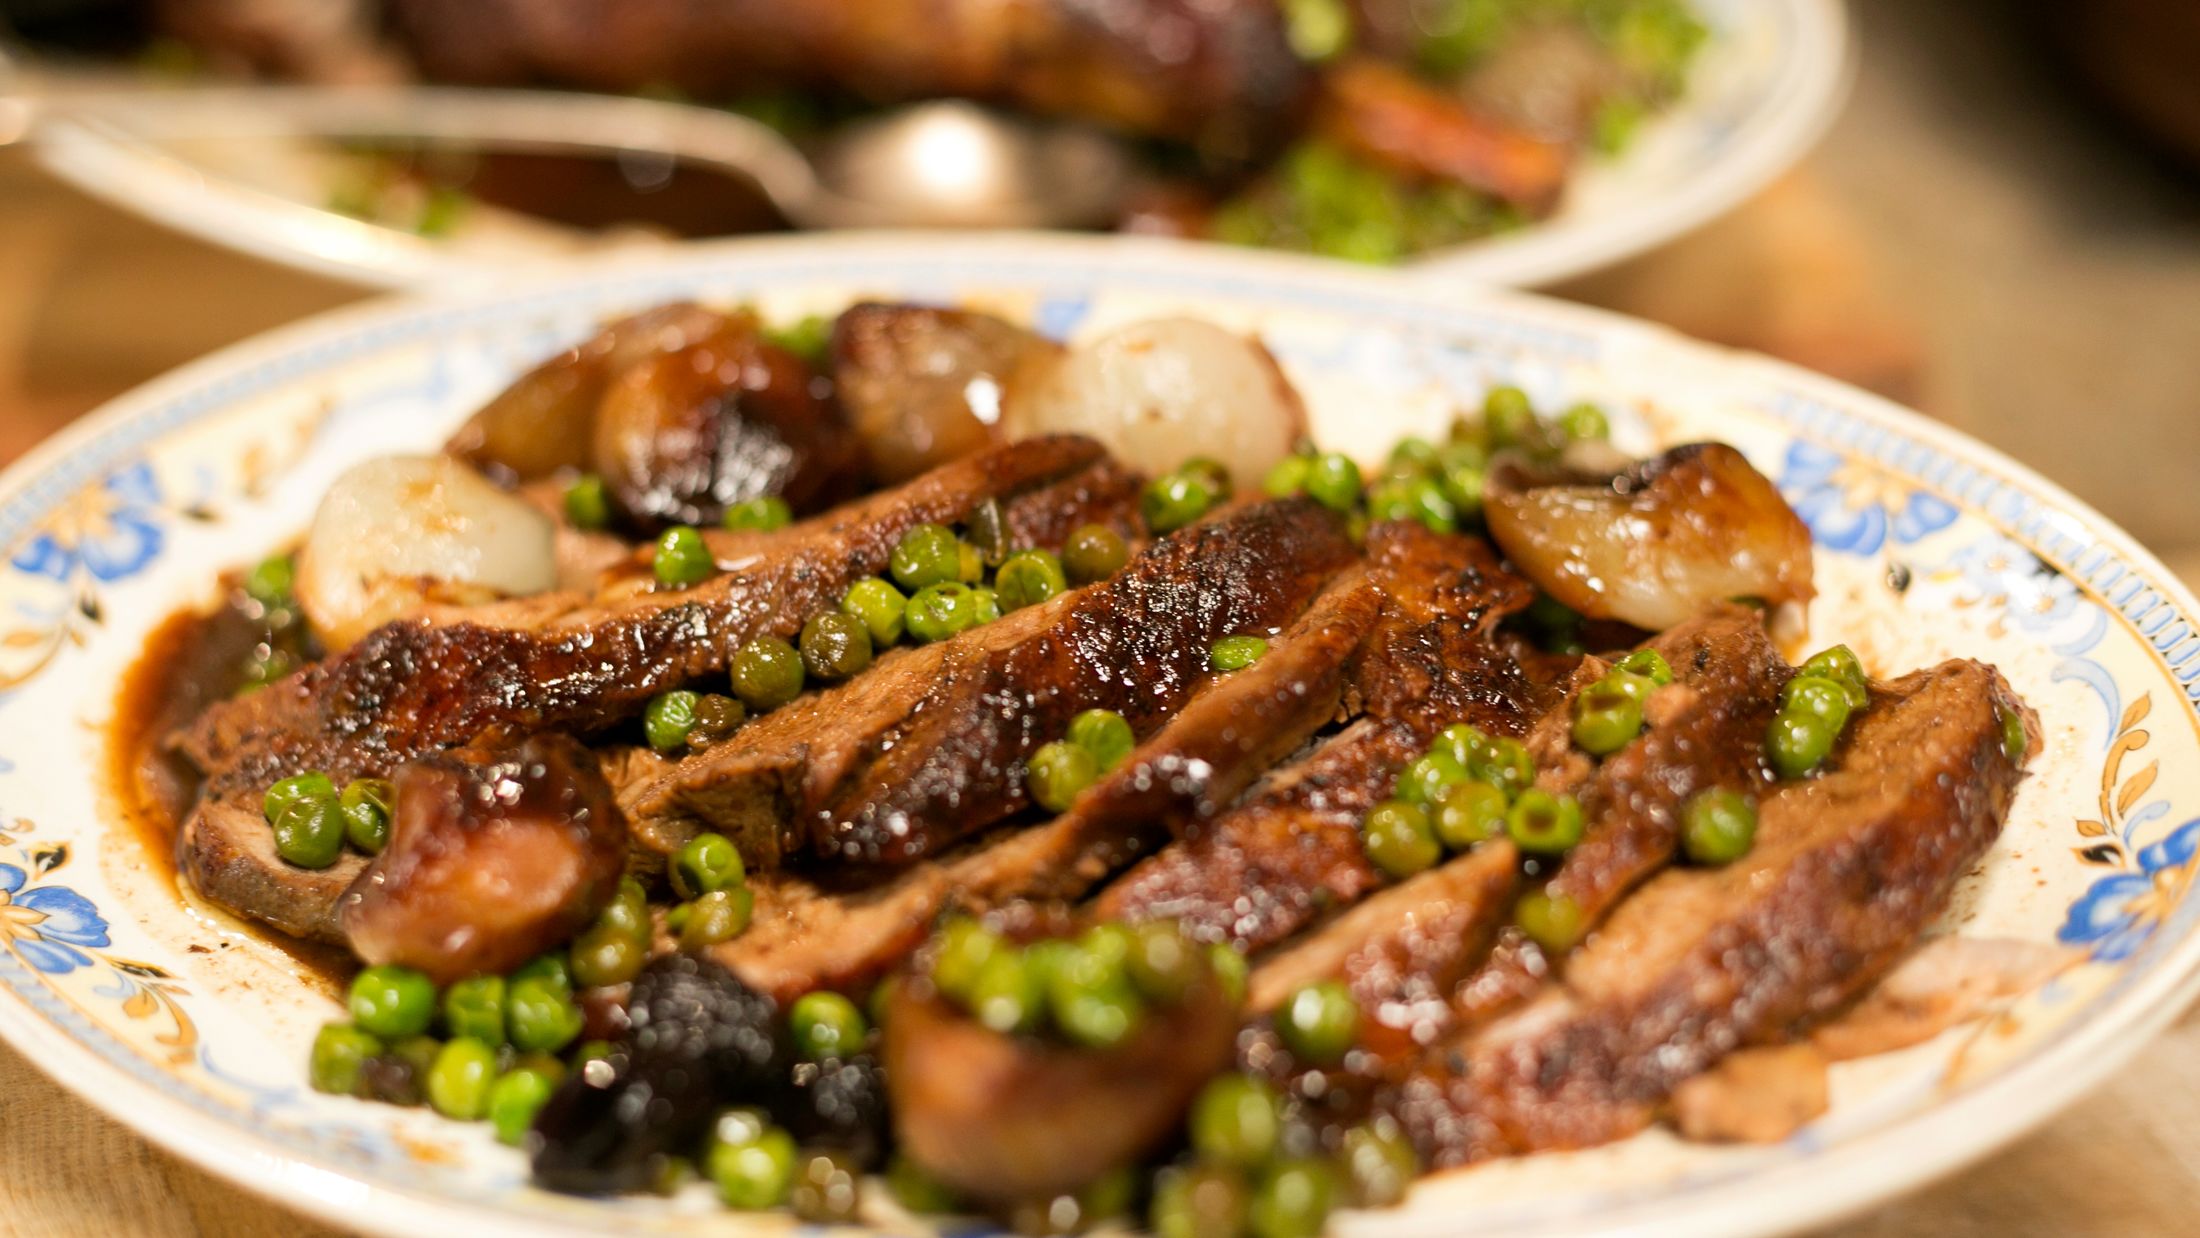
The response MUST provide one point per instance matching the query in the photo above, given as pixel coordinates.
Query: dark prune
(839, 1103)
(700, 1040)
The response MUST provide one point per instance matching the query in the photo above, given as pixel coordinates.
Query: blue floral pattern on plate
(111, 530)
(2120, 912)
(1854, 510)
(45, 924)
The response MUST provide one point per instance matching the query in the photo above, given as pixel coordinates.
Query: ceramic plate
(1768, 83)
(1928, 545)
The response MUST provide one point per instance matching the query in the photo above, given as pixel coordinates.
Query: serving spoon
(944, 163)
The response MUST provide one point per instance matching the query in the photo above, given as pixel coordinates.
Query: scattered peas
(1007, 995)
(1507, 417)
(927, 554)
(271, 582)
(1400, 840)
(682, 557)
(1028, 578)
(1174, 500)
(668, 718)
(2014, 741)
(1090, 997)
(1820, 697)
(1462, 486)
(1237, 1120)
(1161, 963)
(939, 611)
(1541, 823)
(1584, 421)
(965, 948)
(767, 673)
(366, 804)
(313, 785)
(835, 646)
(540, 1016)
(1235, 653)
(826, 1024)
(755, 1174)
(1105, 734)
(1648, 663)
(1212, 474)
(1094, 552)
(827, 1188)
(985, 605)
(587, 506)
(1427, 777)
(1293, 1199)
(628, 910)
(809, 337)
(310, 832)
(1607, 718)
(917, 1190)
(1334, 482)
(515, 1098)
(1505, 764)
(969, 563)
(761, 514)
(1199, 1201)
(1470, 812)
(1838, 663)
(1288, 478)
(340, 1053)
(1057, 772)
(1636, 688)
(709, 862)
(1718, 826)
(1231, 971)
(392, 1002)
(1799, 742)
(1319, 1023)
(880, 607)
(720, 915)
(474, 1007)
(1379, 1164)
(1552, 921)
(459, 1081)
(603, 956)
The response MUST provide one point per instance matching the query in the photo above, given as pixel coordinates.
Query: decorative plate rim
(1826, 1184)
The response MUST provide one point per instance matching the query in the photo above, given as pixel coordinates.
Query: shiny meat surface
(491, 861)
(1848, 867)
(924, 384)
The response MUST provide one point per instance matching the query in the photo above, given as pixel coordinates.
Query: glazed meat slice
(1706, 730)
(807, 935)
(1290, 851)
(1849, 867)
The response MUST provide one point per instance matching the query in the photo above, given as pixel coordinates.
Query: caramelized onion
(490, 861)
(924, 385)
(1657, 543)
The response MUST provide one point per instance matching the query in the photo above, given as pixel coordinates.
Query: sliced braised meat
(1291, 850)
(1945, 981)
(490, 862)
(807, 935)
(1848, 867)
(1754, 1096)
(226, 850)
(1706, 730)
(1009, 1118)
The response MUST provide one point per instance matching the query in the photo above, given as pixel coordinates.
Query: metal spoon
(938, 164)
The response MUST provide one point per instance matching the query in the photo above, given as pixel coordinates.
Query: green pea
(940, 611)
(540, 1016)
(474, 1007)
(1237, 1120)
(1557, 625)
(809, 337)
(1379, 1164)
(604, 956)
(1400, 840)
(628, 911)
(969, 563)
(310, 833)
(682, 557)
(1094, 552)
(515, 1098)
(1105, 734)
(1090, 997)
(917, 1190)
(1838, 663)
(965, 948)
(1293, 1200)
(1199, 1201)
(761, 514)
(1799, 742)
(1413, 454)
(835, 646)
(828, 1188)
(1163, 964)
(1583, 422)
(1288, 478)
(1212, 474)
(708, 862)
(825, 1024)
(1462, 485)
(1818, 696)
(1174, 500)
(1334, 482)
(668, 718)
(1606, 718)
(880, 607)
(1648, 663)
(587, 506)
(1718, 826)
(1504, 764)
(1541, 823)
(1109, 942)
(402, 1077)
(985, 605)
(1390, 500)
(754, 1175)
(928, 554)
(1235, 653)
(1425, 779)
(716, 716)
(2014, 741)
(767, 673)
(546, 969)
(1231, 971)
(340, 1053)
(271, 582)
(1552, 921)
(1508, 418)
(1057, 772)
(458, 1083)
(1007, 996)
(313, 785)
(1465, 742)
(1319, 1023)
(391, 1001)
(366, 804)
(1636, 688)
(1425, 502)
(1470, 812)
(1028, 578)
(721, 915)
